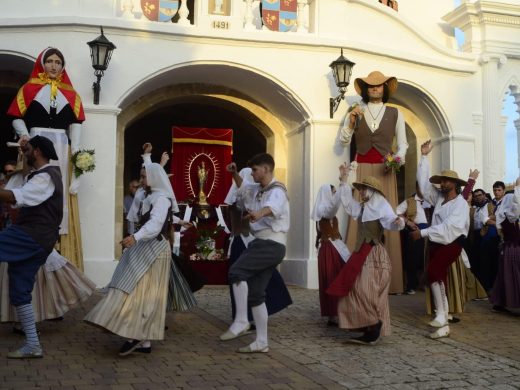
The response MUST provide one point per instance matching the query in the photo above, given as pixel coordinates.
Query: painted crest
(159, 10)
(279, 15)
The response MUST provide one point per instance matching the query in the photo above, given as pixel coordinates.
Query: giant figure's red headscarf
(37, 81)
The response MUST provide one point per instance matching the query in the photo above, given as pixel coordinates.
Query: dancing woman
(136, 302)
(364, 280)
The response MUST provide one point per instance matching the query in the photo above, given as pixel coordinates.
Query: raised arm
(352, 207)
(147, 153)
(472, 179)
(430, 193)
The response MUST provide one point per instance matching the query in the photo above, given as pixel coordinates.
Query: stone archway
(14, 72)
(424, 120)
(266, 104)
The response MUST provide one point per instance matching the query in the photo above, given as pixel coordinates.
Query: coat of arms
(159, 10)
(279, 15)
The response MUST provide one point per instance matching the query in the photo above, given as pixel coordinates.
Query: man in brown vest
(26, 244)
(369, 129)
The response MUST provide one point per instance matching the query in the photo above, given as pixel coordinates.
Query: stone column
(96, 198)
(301, 21)
(183, 14)
(249, 17)
(128, 8)
(515, 92)
(492, 159)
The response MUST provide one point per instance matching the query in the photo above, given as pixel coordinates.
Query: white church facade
(217, 62)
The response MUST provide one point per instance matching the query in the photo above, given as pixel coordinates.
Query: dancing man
(449, 228)
(26, 244)
(267, 207)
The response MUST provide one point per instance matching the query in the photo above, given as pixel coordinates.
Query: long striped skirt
(367, 302)
(392, 238)
(140, 314)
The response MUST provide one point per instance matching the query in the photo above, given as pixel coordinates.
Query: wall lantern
(341, 70)
(100, 52)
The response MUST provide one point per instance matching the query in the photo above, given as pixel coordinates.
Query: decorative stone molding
(488, 57)
(477, 117)
(407, 24)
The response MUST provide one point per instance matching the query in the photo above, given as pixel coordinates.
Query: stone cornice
(441, 57)
(408, 24)
(483, 12)
(488, 57)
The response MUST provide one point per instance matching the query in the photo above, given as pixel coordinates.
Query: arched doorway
(14, 72)
(260, 107)
(204, 111)
(424, 120)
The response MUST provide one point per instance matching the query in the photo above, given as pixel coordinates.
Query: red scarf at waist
(371, 157)
(342, 285)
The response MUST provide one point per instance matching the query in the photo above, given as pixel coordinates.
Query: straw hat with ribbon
(447, 174)
(370, 182)
(376, 78)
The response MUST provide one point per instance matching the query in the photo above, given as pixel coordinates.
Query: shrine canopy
(195, 148)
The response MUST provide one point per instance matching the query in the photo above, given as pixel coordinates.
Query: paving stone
(483, 352)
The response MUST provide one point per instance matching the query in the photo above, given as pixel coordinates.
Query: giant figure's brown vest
(382, 138)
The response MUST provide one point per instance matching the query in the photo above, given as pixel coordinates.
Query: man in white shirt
(26, 244)
(449, 228)
(266, 205)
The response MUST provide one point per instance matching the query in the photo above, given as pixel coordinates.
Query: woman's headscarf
(245, 174)
(376, 207)
(159, 183)
(326, 205)
(37, 81)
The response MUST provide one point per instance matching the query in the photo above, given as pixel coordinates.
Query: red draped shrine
(191, 148)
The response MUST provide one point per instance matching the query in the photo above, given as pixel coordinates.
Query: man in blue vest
(26, 244)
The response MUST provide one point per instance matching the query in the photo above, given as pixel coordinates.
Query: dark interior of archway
(156, 128)
(410, 168)
(6, 128)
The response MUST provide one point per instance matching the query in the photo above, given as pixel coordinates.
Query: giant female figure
(48, 105)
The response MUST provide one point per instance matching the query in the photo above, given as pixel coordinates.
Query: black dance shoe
(129, 347)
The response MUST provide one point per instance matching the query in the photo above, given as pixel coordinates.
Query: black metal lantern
(341, 70)
(100, 52)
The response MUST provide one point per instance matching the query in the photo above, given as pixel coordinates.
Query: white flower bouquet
(83, 161)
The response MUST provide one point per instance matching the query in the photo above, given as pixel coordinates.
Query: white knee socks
(260, 316)
(438, 298)
(240, 291)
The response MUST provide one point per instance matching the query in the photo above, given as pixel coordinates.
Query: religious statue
(203, 176)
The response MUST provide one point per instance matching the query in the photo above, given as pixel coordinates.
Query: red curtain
(191, 148)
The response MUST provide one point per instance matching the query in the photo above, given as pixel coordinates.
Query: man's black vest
(42, 222)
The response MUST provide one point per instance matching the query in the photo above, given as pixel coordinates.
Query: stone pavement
(483, 352)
